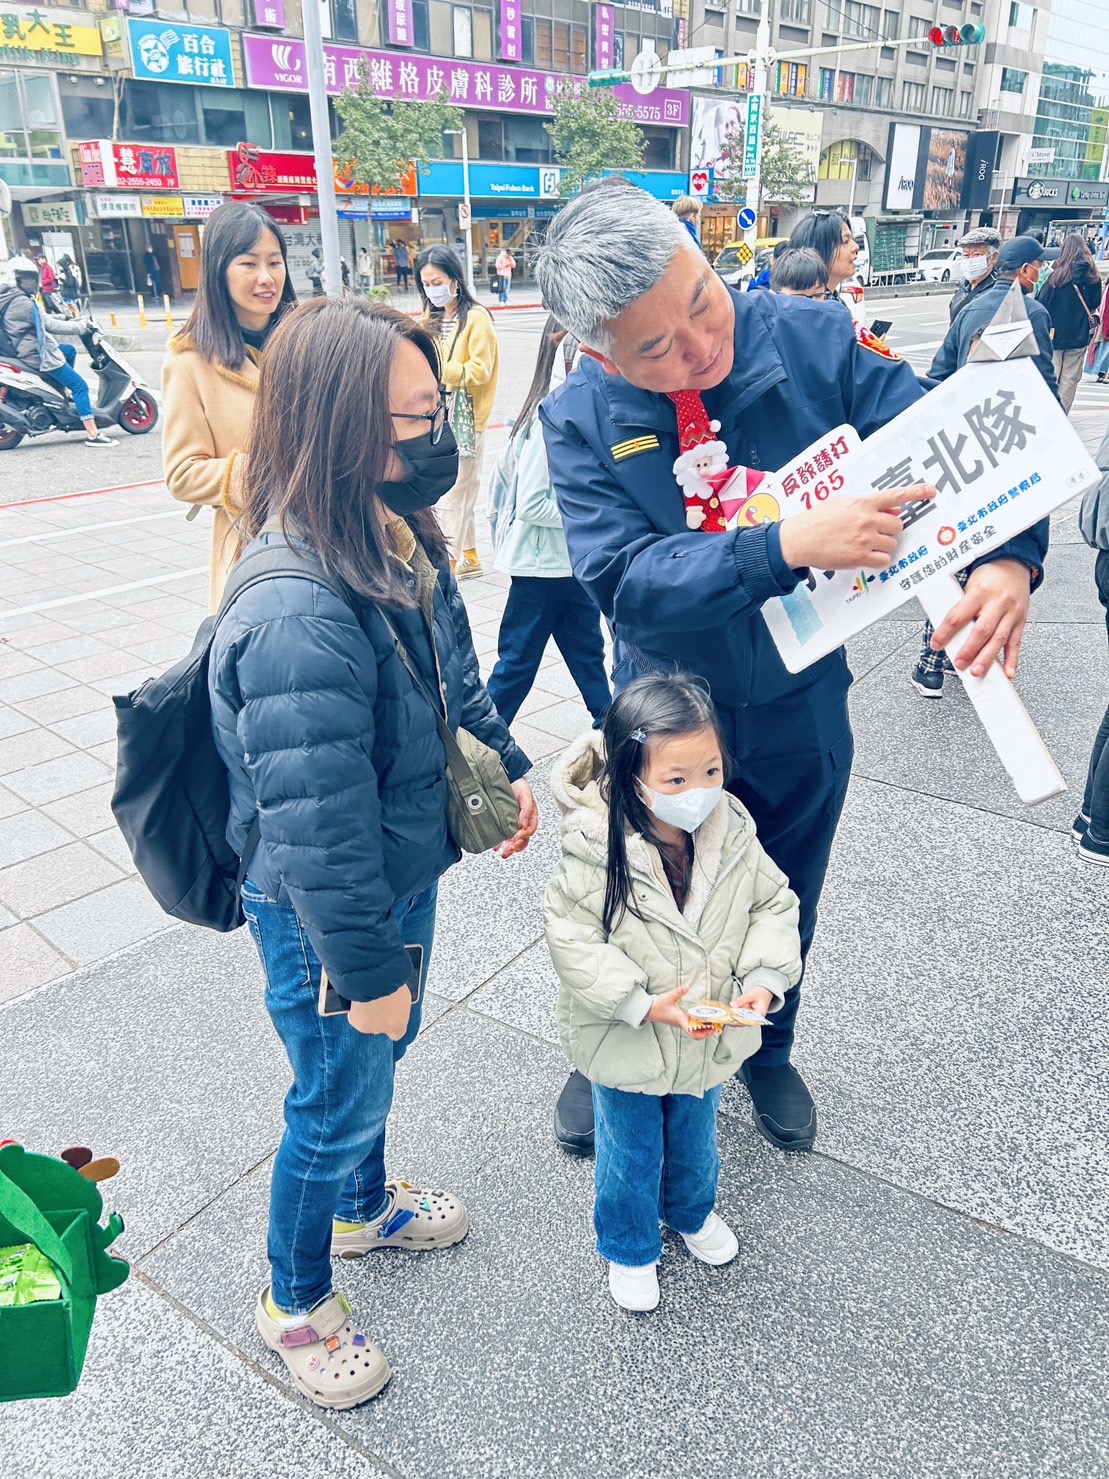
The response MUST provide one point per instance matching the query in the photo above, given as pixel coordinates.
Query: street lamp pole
(321, 145)
(468, 224)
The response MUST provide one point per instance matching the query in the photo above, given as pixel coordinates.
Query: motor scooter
(32, 406)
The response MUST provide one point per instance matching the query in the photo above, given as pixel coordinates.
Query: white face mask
(685, 809)
(438, 296)
(975, 267)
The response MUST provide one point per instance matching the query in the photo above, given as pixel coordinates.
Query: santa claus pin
(718, 498)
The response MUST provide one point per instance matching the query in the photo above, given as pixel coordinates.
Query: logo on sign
(699, 182)
(1037, 190)
(548, 182)
(154, 51)
(283, 59)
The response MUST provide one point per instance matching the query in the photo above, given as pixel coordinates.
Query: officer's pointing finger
(894, 497)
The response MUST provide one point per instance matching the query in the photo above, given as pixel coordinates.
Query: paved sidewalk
(925, 1295)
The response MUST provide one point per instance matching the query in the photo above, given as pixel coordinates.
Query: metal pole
(469, 238)
(321, 143)
(759, 92)
(854, 177)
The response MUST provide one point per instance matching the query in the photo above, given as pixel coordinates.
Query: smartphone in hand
(331, 1004)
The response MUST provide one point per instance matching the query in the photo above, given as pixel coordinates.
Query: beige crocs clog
(331, 1362)
(415, 1219)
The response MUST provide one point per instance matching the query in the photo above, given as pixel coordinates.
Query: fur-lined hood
(723, 835)
(246, 375)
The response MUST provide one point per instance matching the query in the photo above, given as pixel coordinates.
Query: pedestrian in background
(800, 272)
(402, 260)
(506, 266)
(314, 271)
(333, 747)
(470, 362)
(688, 211)
(664, 898)
(363, 271)
(1072, 295)
(829, 234)
(210, 374)
(978, 265)
(1091, 825)
(1098, 355)
(544, 599)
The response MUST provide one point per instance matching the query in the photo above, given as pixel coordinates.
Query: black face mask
(432, 470)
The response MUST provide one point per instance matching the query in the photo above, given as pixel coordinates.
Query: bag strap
(456, 760)
(17, 1208)
(1085, 305)
(268, 564)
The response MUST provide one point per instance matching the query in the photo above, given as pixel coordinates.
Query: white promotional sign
(693, 67)
(901, 167)
(1002, 455)
(60, 213)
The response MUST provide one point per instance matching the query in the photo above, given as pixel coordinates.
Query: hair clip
(638, 735)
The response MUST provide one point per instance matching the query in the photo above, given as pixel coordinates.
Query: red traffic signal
(970, 34)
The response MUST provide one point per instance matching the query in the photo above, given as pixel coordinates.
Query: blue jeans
(331, 1161)
(67, 378)
(1095, 802)
(506, 284)
(537, 609)
(656, 1158)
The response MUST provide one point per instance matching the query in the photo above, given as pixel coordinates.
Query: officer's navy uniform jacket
(681, 597)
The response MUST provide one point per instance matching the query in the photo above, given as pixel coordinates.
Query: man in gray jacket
(26, 326)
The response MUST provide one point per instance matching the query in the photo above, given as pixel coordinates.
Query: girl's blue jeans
(657, 1158)
(331, 1161)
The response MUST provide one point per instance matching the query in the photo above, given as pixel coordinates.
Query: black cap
(1018, 252)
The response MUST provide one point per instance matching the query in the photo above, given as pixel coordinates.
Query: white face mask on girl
(439, 296)
(685, 809)
(975, 267)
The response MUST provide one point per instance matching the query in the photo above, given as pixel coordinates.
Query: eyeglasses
(437, 418)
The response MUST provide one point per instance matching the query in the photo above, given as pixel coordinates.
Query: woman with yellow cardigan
(469, 361)
(210, 374)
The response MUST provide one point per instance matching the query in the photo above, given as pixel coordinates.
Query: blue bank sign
(523, 182)
(162, 51)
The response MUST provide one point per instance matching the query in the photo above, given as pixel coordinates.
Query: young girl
(664, 898)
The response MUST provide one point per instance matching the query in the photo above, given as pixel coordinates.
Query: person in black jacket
(331, 745)
(1072, 295)
(978, 265)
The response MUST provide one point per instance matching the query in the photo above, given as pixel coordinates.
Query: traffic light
(608, 79)
(972, 34)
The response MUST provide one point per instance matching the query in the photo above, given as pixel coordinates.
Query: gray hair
(800, 269)
(603, 251)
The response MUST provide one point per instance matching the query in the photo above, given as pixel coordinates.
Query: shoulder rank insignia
(632, 446)
(872, 342)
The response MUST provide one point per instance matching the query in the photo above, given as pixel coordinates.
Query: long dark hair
(231, 230)
(658, 706)
(447, 260)
(823, 231)
(322, 436)
(1074, 263)
(551, 344)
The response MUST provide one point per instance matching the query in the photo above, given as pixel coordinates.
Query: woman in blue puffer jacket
(331, 745)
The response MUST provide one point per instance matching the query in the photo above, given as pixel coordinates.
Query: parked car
(732, 271)
(940, 264)
(854, 295)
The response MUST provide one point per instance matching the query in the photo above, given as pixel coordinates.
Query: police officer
(777, 372)
(978, 265)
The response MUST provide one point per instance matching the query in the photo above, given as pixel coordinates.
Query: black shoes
(784, 1111)
(574, 1115)
(927, 684)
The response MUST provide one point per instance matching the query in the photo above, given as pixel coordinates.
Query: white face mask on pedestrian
(975, 267)
(685, 810)
(440, 296)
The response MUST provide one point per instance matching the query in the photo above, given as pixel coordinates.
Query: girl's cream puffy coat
(738, 930)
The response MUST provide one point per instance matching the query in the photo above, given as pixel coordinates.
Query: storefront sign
(604, 52)
(1044, 193)
(111, 207)
(163, 207)
(198, 55)
(902, 154)
(981, 159)
(128, 166)
(753, 141)
(270, 13)
(400, 22)
(60, 213)
(261, 170)
(510, 48)
(200, 207)
(35, 34)
(279, 64)
(490, 181)
(111, 34)
(1087, 192)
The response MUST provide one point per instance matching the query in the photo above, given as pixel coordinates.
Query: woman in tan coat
(470, 361)
(210, 374)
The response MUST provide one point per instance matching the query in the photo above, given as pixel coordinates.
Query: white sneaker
(100, 440)
(634, 1288)
(715, 1243)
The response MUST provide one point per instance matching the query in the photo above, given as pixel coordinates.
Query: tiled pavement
(927, 1295)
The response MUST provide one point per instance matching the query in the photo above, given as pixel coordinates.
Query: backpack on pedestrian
(171, 799)
(7, 343)
(1093, 511)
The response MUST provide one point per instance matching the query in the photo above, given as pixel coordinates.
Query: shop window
(845, 92)
(28, 117)
(421, 29)
(791, 79)
(87, 110)
(527, 40)
(661, 144)
(919, 25)
(966, 100)
(864, 91)
(462, 24)
(827, 84)
(892, 25)
(224, 118)
(560, 47)
(483, 35)
(344, 20)
(526, 141)
(943, 101)
(13, 141)
(883, 93)
(154, 113)
(914, 96)
(490, 137)
(796, 12)
(1013, 80)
